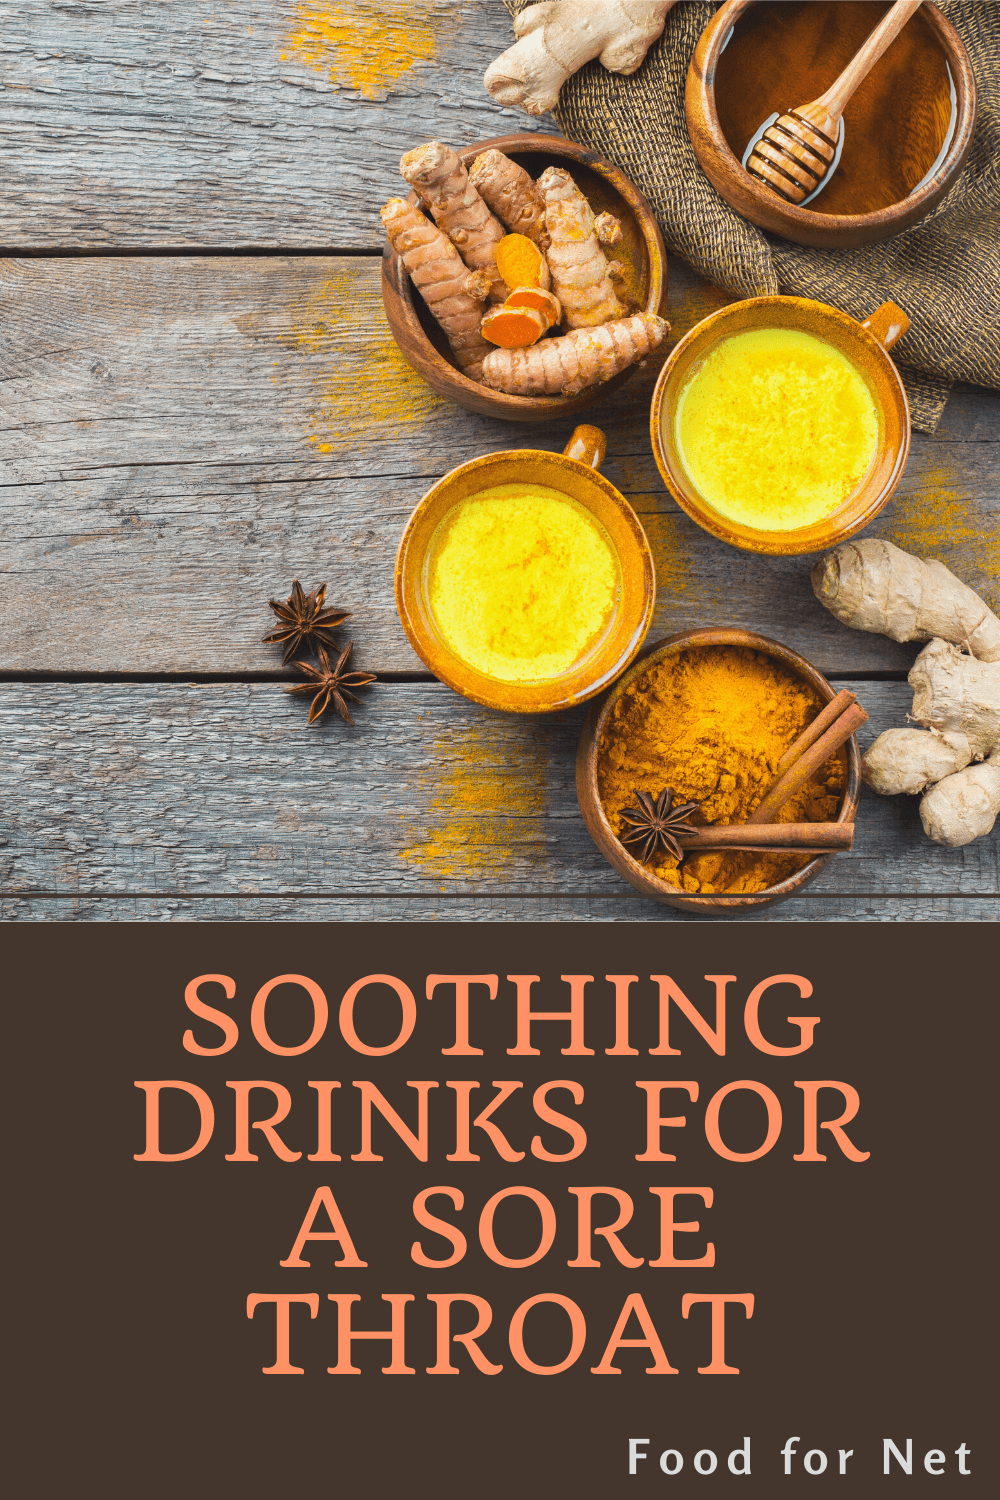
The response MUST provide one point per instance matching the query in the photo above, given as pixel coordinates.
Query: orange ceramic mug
(574, 474)
(864, 344)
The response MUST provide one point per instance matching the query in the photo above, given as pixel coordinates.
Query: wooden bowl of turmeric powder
(641, 253)
(709, 713)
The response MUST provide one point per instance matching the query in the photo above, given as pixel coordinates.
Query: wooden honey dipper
(794, 153)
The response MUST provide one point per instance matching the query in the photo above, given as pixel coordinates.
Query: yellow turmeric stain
(360, 50)
(938, 519)
(359, 387)
(486, 778)
(672, 559)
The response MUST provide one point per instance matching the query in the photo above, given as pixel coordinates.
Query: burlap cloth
(945, 272)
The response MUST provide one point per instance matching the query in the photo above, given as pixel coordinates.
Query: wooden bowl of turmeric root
(523, 276)
(721, 772)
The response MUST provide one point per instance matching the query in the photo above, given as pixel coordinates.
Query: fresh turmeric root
(442, 182)
(521, 263)
(451, 291)
(566, 365)
(580, 273)
(512, 195)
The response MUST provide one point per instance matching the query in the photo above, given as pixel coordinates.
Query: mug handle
(887, 323)
(588, 445)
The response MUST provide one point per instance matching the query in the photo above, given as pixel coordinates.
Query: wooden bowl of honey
(524, 580)
(906, 131)
(641, 252)
(590, 772)
(781, 425)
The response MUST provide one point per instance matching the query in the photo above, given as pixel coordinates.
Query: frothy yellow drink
(522, 581)
(776, 429)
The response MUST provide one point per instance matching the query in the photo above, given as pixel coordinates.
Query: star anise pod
(655, 826)
(331, 684)
(303, 618)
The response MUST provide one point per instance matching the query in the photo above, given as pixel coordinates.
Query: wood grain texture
(221, 791)
(203, 122)
(180, 438)
(809, 907)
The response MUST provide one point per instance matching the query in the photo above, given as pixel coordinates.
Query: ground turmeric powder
(712, 722)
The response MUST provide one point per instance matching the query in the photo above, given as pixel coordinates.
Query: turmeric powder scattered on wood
(442, 182)
(712, 722)
(442, 279)
(565, 365)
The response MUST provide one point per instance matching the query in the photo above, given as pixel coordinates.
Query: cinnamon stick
(770, 837)
(809, 763)
(829, 715)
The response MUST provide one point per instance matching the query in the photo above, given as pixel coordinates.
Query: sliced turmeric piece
(514, 327)
(521, 263)
(547, 303)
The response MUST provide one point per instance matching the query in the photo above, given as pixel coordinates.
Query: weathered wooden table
(201, 401)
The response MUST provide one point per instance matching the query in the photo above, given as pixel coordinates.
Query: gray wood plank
(180, 438)
(132, 123)
(220, 790)
(809, 907)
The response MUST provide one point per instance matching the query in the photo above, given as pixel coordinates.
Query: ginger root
(580, 273)
(566, 365)
(553, 41)
(511, 193)
(521, 263)
(873, 585)
(442, 182)
(442, 279)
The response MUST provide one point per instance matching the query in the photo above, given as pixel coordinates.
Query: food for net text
(954, 759)
(553, 41)
(438, 272)
(563, 366)
(442, 183)
(580, 270)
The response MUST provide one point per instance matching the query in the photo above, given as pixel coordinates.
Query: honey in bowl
(776, 429)
(898, 123)
(522, 582)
